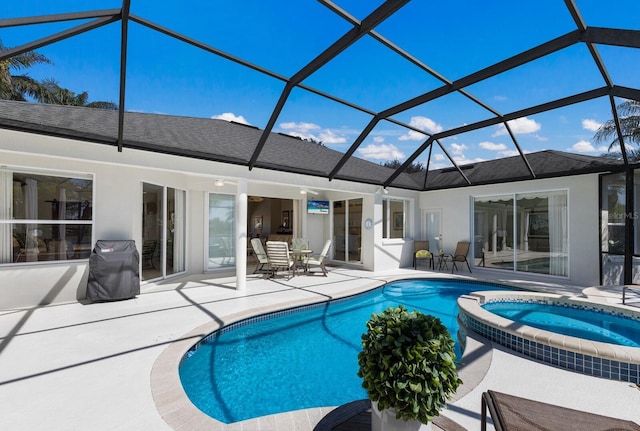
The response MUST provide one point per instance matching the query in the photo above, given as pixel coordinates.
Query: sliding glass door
(347, 230)
(163, 231)
(525, 232)
(221, 228)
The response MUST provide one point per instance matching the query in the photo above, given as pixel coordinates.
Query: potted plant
(408, 368)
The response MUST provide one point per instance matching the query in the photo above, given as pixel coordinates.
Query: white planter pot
(385, 420)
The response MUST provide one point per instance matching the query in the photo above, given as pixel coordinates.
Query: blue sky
(455, 38)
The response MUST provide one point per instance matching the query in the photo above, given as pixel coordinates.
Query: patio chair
(148, 253)
(421, 252)
(299, 244)
(279, 259)
(460, 255)
(319, 260)
(260, 254)
(514, 413)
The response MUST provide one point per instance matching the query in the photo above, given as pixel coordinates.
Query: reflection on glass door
(152, 208)
(433, 230)
(163, 231)
(221, 245)
(347, 230)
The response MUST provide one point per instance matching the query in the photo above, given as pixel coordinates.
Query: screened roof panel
(316, 118)
(356, 74)
(543, 80)
(616, 14)
(273, 34)
(475, 34)
(165, 77)
(622, 64)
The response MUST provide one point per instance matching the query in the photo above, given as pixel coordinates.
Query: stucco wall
(583, 211)
(117, 205)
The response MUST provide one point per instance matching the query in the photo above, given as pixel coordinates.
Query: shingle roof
(229, 142)
(203, 138)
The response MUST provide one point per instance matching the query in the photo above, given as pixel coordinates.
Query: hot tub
(595, 358)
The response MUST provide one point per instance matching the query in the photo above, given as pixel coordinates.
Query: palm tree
(23, 87)
(54, 94)
(629, 119)
(18, 87)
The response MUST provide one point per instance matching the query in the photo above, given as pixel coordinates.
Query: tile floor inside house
(81, 366)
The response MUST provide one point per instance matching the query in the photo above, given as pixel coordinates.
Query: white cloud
(462, 160)
(312, 131)
(591, 125)
(299, 127)
(329, 137)
(230, 116)
(492, 147)
(509, 153)
(519, 126)
(378, 139)
(422, 123)
(457, 149)
(586, 147)
(381, 152)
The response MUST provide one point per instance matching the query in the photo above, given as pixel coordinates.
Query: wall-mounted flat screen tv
(318, 207)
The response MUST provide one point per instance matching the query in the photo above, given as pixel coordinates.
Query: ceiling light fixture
(304, 191)
(219, 182)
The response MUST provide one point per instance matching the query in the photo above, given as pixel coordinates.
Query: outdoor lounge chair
(261, 255)
(514, 413)
(460, 255)
(421, 252)
(279, 259)
(319, 260)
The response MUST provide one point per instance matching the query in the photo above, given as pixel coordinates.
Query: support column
(241, 235)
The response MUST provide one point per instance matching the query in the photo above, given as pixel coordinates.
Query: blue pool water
(307, 358)
(572, 321)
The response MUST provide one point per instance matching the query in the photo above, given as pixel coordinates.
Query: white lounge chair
(319, 260)
(279, 258)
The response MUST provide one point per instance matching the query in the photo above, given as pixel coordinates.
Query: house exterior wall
(584, 240)
(118, 178)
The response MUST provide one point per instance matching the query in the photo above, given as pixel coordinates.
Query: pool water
(572, 321)
(304, 359)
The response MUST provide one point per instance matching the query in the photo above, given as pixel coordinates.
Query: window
(395, 218)
(45, 217)
(525, 232)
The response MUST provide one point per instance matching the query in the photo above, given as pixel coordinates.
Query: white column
(241, 235)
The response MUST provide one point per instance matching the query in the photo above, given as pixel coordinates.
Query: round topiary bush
(408, 363)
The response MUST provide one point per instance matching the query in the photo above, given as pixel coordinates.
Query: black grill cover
(113, 271)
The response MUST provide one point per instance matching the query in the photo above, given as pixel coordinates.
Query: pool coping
(174, 406)
(508, 333)
(181, 414)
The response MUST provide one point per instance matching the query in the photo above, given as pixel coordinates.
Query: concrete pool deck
(99, 366)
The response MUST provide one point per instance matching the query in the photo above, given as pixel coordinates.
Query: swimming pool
(304, 357)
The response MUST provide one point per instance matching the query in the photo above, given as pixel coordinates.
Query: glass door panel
(152, 216)
(176, 231)
(493, 230)
(221, 245)
(433, 230)
(354, 238)
(339, 227)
